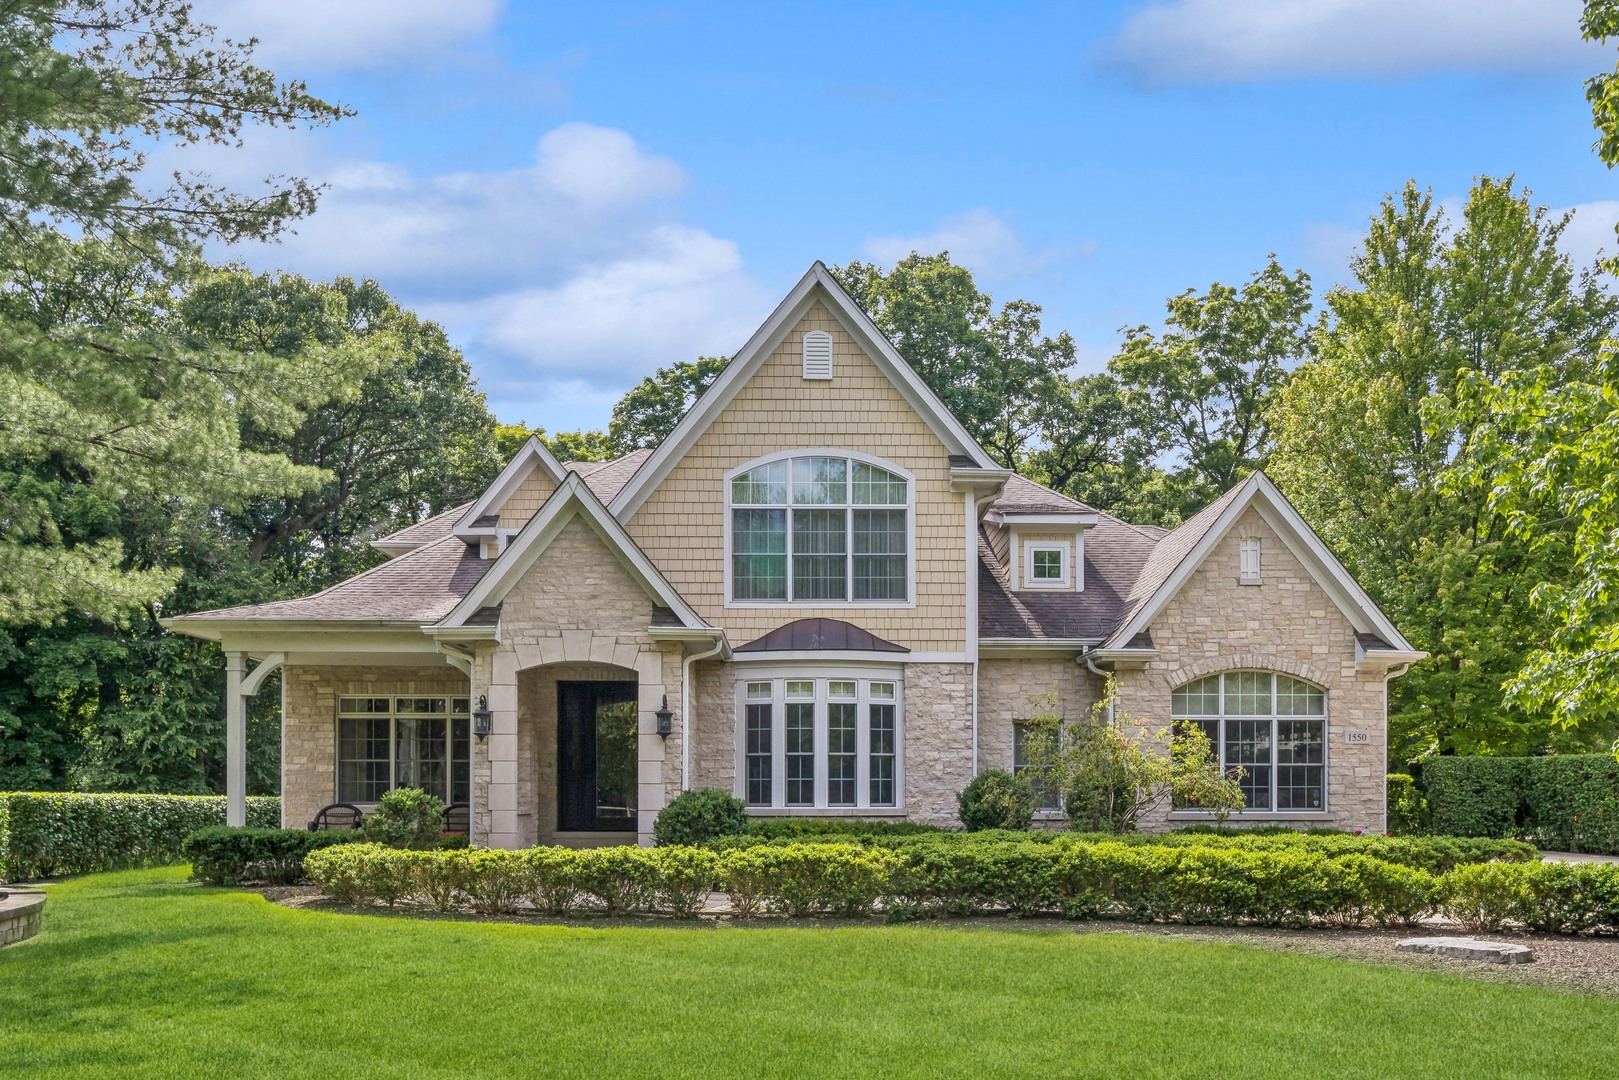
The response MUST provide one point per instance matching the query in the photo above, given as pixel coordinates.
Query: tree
(1202, 387)
(579, 445)
(1372, 448)
(992, 369)
(95, 382)
(646, 415)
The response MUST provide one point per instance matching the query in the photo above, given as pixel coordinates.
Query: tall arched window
(1273, 726)
(818, 528)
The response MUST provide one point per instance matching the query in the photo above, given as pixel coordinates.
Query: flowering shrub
(43, 833)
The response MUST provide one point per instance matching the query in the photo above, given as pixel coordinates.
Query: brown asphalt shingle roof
(606, 479)
(420, 586)
(434, 528)
(1021, 496)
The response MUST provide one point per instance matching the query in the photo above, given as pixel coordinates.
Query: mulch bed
(1579, 964)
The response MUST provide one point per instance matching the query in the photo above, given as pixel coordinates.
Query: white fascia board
(533, 454)
(1346, 594)
(572, 498)
(817, 283)
(1072, 521)
(392, 550)
(978, 480)
(992, 648)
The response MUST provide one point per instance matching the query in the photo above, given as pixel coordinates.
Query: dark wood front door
(597, 760)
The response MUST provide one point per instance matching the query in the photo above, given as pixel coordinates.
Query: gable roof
(1114, 555)
(607, 478)
(419, 587)
(1175, 557)
(1024, 496)
(532, 455)
(572, 499)
(423, 532)
(817, 284)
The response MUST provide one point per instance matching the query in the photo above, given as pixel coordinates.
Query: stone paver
(1577, 856)
(1490, 952)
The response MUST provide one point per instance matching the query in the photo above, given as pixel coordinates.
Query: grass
(142, 974)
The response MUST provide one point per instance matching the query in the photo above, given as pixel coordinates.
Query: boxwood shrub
(46, 833)
(220, 855)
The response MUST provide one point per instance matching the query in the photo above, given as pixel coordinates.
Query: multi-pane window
(1272, 726)
(1046, 564)
(1046, 795)
(389, 742)
(819, 742)
(814, 529)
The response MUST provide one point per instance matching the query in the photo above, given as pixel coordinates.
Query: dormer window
(1248, 570)
(817, 355)
(818, 529)
(1045, 565)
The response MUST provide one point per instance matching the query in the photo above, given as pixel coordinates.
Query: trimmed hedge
(1567, 802)
(1190, 883)
(43, 834)
(1434, 854)
(221, 855)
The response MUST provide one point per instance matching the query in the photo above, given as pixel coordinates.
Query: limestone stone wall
(682, 524)
(576, 607)
(714, 725)
(938, 740)
(1287, 623)
(21, 914)
(1010, 690)
(309, 722)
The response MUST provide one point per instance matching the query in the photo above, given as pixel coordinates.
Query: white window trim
(393, 717)
(862, 675)
(1325, 810)
(1064, 549)
(852, 455)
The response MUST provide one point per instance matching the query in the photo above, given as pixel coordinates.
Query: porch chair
(339, 815)
(457, 818)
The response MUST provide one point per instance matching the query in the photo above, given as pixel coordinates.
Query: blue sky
(581, 193)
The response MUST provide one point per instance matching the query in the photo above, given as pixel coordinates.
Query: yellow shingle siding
(681, 526)
(527, 499)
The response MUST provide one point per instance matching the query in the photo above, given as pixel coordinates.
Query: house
(821, 594)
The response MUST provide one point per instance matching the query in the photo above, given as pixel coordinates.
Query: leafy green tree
(646, 415)
(94, 379)
(1201, 388)
(993, 369)
(580, 445)
(1371, 447)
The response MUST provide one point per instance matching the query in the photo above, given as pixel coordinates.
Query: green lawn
(140, 974)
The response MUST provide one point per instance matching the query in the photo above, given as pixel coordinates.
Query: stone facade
(1010, 690)
(309, 722)
(937, 740)
(577, 613)
(1286, 623)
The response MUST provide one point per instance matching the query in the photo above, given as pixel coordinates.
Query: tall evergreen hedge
(1566, 802)
(47, 833)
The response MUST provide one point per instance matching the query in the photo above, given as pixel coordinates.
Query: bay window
(819, 742)
(1273, 726)
(817, 529)
(390, 742)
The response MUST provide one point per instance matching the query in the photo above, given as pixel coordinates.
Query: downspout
(685, 714)
(973, 508)
(1090, 663)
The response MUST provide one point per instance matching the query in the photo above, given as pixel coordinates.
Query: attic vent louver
(817, 355)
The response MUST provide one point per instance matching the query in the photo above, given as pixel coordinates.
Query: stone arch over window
(1271, 725)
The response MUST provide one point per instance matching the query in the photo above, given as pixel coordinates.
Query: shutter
(1250, 560)
(817, 355)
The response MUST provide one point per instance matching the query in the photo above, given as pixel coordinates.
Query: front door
(597, 762)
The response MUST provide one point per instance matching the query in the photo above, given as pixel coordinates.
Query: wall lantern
(481, 717)
(665, 718)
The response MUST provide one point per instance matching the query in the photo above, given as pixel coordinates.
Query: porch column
(235, 742)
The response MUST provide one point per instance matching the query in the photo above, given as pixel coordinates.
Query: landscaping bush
(439, 877)
(619, 877)
(809, 878)
(493, 880)
(1408, 807)
(406, 818)
(682, 878)
(996, 800)
(696, 817)
(1484, 896)
(220, 855)
(554, 879)
(1566, 802)
(799, 828)
(362, 873)
(44, 834)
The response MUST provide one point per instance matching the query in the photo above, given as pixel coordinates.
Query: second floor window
(814, 529)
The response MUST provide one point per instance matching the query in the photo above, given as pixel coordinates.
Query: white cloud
(1210, 41)
(352, 33)
(978, 240)
(566, 280)
(1590, 234)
